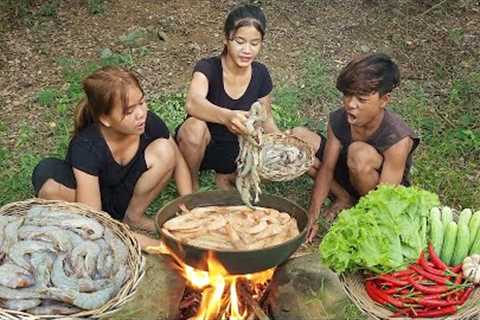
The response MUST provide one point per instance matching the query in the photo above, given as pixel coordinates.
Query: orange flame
(218, 303)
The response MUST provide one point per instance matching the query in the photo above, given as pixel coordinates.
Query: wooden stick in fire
(245, 294)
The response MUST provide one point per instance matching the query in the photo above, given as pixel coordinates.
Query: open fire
(218, 295)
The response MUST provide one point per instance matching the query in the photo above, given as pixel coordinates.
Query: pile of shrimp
(56, 262)
(231, 227)
(248, 158)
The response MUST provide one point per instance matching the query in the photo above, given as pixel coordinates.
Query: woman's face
(244, 45)
(132, 119)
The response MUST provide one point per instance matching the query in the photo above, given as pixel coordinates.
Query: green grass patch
(96, 7)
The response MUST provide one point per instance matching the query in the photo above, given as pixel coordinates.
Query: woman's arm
(183, 179)
(199, 107)
(269, 126)
(88, 189)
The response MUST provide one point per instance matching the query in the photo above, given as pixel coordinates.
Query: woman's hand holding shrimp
(235, 122)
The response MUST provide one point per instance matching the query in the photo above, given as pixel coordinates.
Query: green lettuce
(384, 232)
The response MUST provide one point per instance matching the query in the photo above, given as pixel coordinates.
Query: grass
(447, 161)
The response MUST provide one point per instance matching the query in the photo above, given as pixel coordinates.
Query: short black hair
(366, 74)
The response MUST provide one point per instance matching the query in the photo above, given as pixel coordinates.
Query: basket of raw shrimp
(64, 260)
(284, 157)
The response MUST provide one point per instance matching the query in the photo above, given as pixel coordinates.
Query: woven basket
(136, 261)
(287, 173)
(354, 285)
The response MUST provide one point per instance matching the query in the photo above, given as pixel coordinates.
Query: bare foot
(332, 212)
(144, 224)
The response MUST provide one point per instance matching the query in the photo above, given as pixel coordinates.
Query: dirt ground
(432, 41)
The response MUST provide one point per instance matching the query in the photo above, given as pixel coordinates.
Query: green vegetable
(465, 216)
(474, 225)
(462, 243)
(475, 249)
(384, 232)
(449, 242)
(447, 216)
(436, 229)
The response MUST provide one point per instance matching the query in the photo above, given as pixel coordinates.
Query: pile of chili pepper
(427, 289)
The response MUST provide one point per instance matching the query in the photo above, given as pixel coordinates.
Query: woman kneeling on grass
(120, 157)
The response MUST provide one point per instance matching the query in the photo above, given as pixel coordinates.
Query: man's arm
(323, 180)
(395, 160)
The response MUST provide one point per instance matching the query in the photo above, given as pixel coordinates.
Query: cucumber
(436, 230)
(462, 244)
(449, 242)
(465, 216)
(475, 249)
(447, 216)
(474, 225)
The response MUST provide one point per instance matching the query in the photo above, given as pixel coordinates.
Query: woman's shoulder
(89, 137)
(208, 63)
(260, 67)
(210, 67)
(156, 127)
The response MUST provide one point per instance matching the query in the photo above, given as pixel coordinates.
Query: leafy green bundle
(384, 232)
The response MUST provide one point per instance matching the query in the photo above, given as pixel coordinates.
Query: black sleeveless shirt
(260, 85)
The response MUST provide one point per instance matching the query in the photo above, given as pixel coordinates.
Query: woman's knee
(362, 157)
(193, 133)
(52, 190)
(161, 153)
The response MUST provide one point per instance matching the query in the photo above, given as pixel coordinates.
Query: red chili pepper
(393, 290)
(380, 295)
(402, 273)
(457, 268)
(392, 280)
(445, 273)
(458, 279)
(435, 259)
(435, 302)
(428, 275)
(430, 289)
(448, 310)
(372, 292)
(465, 296)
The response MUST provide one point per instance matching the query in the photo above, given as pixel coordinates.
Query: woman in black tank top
(222, 90)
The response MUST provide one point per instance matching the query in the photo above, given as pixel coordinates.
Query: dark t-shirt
(391, 130)
(88, 151)
(260, 86)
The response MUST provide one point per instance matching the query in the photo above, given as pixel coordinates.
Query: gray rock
(304, 289)
(158, 294)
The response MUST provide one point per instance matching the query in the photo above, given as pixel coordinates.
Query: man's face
(363, 109)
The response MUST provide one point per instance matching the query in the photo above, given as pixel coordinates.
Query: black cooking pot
(235, 261)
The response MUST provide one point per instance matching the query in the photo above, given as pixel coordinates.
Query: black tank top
(260, 86)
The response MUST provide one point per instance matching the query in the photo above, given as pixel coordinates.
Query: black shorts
(115, 199)
(220, 156)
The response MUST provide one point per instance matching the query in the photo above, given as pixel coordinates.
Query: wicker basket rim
(353, 285)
